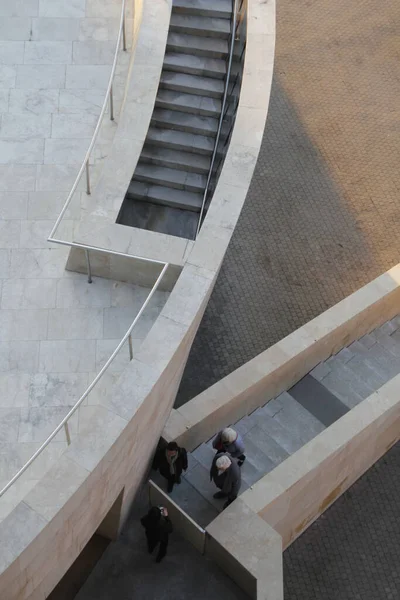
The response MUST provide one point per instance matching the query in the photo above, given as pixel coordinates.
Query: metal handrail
(65, 420)
(108, 98)
(221, 118)
(85, 165)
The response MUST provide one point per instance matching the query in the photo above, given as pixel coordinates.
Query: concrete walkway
(127, 571)
(56, 330)
(321, 217)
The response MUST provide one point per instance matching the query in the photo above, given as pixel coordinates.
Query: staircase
(166, 191)
(286, 423)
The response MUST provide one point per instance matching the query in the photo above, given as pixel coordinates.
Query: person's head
(154, 514)
(228, 435)
(172, 449)
(223, 463)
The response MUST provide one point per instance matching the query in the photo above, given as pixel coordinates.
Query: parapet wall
(285, 363)
(107, 461)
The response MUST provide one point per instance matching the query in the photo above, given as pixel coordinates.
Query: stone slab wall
(301, 488)
(285, 363)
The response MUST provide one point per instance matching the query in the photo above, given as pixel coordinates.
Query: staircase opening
(191, 125)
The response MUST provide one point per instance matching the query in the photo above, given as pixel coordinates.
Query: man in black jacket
(171, 461)
(225, 473)
(157, 527)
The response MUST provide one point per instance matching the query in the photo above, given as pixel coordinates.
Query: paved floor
(126, 570)
(322, 215)
(56, 330)
(353, 551)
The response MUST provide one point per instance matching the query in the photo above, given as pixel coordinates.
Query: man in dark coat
(171, 461)
(225, 473)
(157, 527)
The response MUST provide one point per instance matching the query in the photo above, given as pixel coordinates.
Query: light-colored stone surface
(115, 453)
(54, 327)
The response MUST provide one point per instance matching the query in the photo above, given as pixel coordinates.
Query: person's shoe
(170, 487)
(158, 560)
(219, 495)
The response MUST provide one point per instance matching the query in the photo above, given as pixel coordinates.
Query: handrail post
(111, 104)
(130, 347)
(123, 35)
(67, 435)
(87, 178)
(89, 270)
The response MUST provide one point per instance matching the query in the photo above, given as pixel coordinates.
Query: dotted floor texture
(352, 552)
(322, 216)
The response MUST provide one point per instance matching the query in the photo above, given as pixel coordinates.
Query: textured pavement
(353, 551)
(322, 215)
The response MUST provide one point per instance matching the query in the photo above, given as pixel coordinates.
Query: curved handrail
(85, 165)
(89, 389)
(107, 98)
(222, 115)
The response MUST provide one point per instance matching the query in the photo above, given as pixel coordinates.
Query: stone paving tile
(321, 218)
(352, 551)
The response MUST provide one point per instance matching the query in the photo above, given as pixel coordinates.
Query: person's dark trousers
(241, 459)
(171, 480)
(151, 544)
(162, 550)
(229, 501)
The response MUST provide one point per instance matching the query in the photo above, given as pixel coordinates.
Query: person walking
(228, 440)
(171, 461)
(158, 526)
(226, 475)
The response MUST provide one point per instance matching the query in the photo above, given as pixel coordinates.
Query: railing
(108, 101)
(234, 24)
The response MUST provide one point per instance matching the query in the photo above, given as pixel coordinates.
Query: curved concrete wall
(45, 533)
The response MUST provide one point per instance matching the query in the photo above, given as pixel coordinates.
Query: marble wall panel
(21, 151)
(71, 356)
(62, 9)
(17, 177)
(34, 102)
(29, 293)
(40, 76)
(75, 324)
(55, 29)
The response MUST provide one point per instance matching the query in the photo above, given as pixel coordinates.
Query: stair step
(207, 8)
(318, 400)
(189, 103)
(164, 157)
(205, 26)
(295, 418)
(194, 65)
(345, 386)
(258, 459)
(288, 440)
(179, 140)
(180, 180)
(193, 503)
(197, 45)
(204, 454)
(182, 121)
(384, 361)
(367, 373)
(192, 84)
(389, 343)
(165, 196)
(266, 444)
